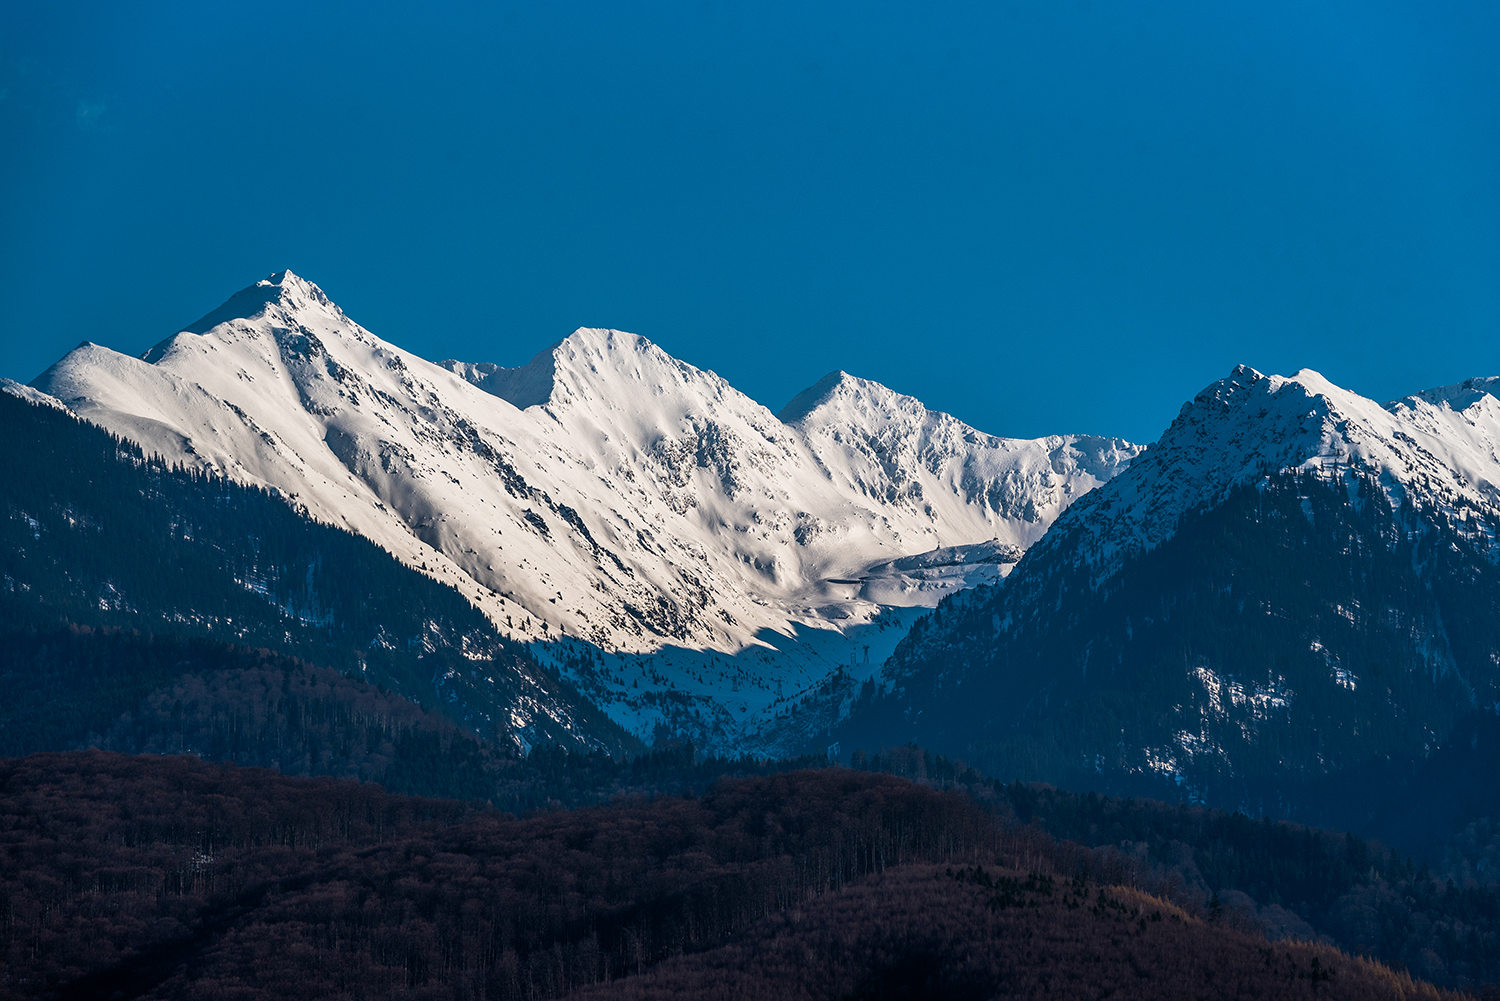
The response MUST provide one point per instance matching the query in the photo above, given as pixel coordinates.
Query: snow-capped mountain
(1294, 583)
(891, 450)
(97, 534)
(1438, 449)
(688, 557)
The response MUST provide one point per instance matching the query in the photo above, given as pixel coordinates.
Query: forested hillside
(95, 534)
(1292, 651)
(1274, 878)
(972, 934)
(137, 693)
(168, 877)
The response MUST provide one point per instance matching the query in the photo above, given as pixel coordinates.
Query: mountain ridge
(1294, 589)
(1446, 458)
(638, 521)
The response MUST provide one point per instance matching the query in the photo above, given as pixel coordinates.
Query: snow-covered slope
(941, 478)
(1438, 450)
(1295, 587)
(893, 451)
(665, 539)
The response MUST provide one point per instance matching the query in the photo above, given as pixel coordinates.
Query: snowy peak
(281, 301)
(1457, 397)
(1248, 425)
(282, 290)
(841, 398)
(591, 366)
(1323, 565)
(631, 410)
(585, 365)
(968, 485)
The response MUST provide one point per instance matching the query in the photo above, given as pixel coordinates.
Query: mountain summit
(1438, 450)
(688, 558)
(1294, 592)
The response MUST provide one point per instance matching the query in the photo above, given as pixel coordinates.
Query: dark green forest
(138, 693)
(95, 534)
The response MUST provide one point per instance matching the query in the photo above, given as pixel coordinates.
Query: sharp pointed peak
(1243, 382)
(1242, 377)
(283, 288)
(291, 283)
(841, 384)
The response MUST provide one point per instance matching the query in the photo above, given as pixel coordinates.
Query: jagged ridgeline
(1287, 604)
(96, 534)
(691, 561)
(1288, 651)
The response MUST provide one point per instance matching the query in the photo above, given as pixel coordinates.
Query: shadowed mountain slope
(1288, 600)
(94, 534)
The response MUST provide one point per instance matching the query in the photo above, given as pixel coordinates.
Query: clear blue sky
(1039, 215)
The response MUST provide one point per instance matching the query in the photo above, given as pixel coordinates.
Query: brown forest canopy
(171, 877)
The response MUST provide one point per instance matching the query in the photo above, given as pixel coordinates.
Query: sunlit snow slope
(689, 558)
(1437, 451)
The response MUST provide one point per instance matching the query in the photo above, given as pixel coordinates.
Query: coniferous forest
(1289, 603)
(96, 534)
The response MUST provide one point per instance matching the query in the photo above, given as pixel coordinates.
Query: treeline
(136, 693)
(97, 534)
(1271, 877)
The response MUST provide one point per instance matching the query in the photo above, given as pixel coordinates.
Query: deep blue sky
(1041, 216)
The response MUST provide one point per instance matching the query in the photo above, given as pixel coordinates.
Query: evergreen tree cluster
(137, 693)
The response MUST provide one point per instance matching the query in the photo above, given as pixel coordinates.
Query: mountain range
(695, 564)
(1285, 604)
(275, 540)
